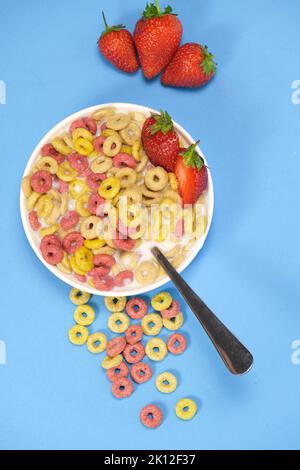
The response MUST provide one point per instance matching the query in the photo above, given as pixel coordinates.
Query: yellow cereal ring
(77, 188)
(26, 186)
(166, 382)
(79, 297)
(48, 230)
(146, 272)
(109, 362)
(115, 304)
(152, 324)
(186, 408)
(109, 188)
(78, 334)
(136, 150)
(89, 227)
(173, 323)
(156, 349)
(65, 172)
(47, 163)
(44, 206)
(108, 132)
(84, 259)
(81, 205)
(96, 343)
(61, 146)
(84, 315)
(173, 181)
(118, 322)
(32, 200)
(161, 301)
(117, 121)
(112, 145)
(94, 244)
(101, 113)
(75, 266)
(65, 266)
(83, 146)
(83, 133)
(126, 149)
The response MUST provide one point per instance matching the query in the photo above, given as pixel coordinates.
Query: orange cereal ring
(176, 343)
(136, 308)
(141, 372)
(134, 353)
(134, 334)
(122, 387)
(151, 416)
(116, 372)
(172, 311)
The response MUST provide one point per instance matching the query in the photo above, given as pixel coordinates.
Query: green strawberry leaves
(208, 64)
(192, 158)
(109, 29)
(163, 123)
(153, 11)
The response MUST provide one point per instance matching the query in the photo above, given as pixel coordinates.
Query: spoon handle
(234, 354)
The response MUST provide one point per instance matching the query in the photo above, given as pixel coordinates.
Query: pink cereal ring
(80, 277)
(63, 186)
(123, 278)
(115, 346)
(176, 343)
(151, 416)
(49, 151)
(104, 260)
(136, 308)
(125, 244)
(124, 160)
(34, 221)
(85, 123)
(105, 283)
(134, 334)
(119, 371)
(72, 241)
(93, 180)
(100, 271)
(94, 202)
(98, 144)
(122, 387)
(48, 241)
(41, 181)
(52, 253)
(86, 172)
(78, 162)
(172, 311)
(141, 372)
(69, 220)
(134, 353)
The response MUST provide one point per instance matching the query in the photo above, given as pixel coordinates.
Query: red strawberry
(161, 141)
(116, 44)
(192, 66)
(157, 37)
(191, 174)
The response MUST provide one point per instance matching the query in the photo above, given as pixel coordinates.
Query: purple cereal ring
(141, 372)
(78, 162)
(94, 202)
(72, 241)
(41, 181)
(122, 387)
(134, 353)
(34, 221)
(176, 343)
(49, 151)
(98, 144)
(115, 346)
(119, 371)
(134, 334)
(125, 244)
(93, 180)
(123, 160)
(136, 308)
(151, 416)
(172, 311)
(105, 283)
(123, 278)
(69, 220)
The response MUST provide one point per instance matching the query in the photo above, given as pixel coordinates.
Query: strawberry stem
(104, 19)
(208, 64)
(157, 7)
(109, 29)
(163, 123)
(153, 10)
(192, 158)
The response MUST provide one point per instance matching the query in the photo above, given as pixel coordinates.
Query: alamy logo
(2, 353)
(2, 92)
(296, 93)
(296, 352)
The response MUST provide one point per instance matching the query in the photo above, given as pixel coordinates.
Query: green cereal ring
(110, 362)
(186, 408)
(96, 343)
(115, 304)
(78, 297)
(152, 324)
(84, 315)
(118, 322)
(78, 334)
(166, 382)
(156, 349)
(161, 301)
(173, 323)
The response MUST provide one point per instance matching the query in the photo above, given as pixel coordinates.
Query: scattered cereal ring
(134, 353)
(41, 181)
(51, 249)
(112, 145)
(87, 123)
(105, 283)
(141, 372)
(186, 408)
(75, 267)
(176, 343)
(123, 278)
(72, 241)
(146, 273)
(49, 150)
(97, 342)
(131, 133)
(172, 311)
(118, 322)
(78, 162)
(83, 146)
(127, 177)
(166, 382)
(84, 258)
(115, 304)
(156, 179)
(84, 315)
(69, 220)
(156, 349)
(122, 387)
(152, 324)
(119, 371)
(116, 346)
(33, 220)
(101, 164)
(89, 227)
(134, 334)
(109, 362)
(94, 202)
(78, 334)
(109, 188)
(161, 301)
(122, 160)
(94, 244)
(98, 144)
(151, 416)
(117, 121)
(105, 262)
(136, 308)
(48, 164)
(93, 180)
(78, 297)
(173, 323)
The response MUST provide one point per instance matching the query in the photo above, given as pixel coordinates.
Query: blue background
(54, 395)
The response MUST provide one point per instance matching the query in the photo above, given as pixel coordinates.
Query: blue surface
(54, 395)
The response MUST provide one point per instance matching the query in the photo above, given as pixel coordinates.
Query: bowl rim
(130, 107)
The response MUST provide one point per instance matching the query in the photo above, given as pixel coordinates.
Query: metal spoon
(235, 355)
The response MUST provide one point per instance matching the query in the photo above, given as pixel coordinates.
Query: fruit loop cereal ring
(156, 179)
(112, 145)
(98, 144)
(122, 387)
(81, 205)
(105, 283)
(78, 335)
(63, 186)
(61, 147)
(99, 114)
(176, 343)
(172, 311)
(136, 150)
(78, 162)
(41, 181)
(66, 173)
(77, 188)
(119, 371)
(146, 273)
(84, 315)
(118, 322)
(83, 146)
(101, 164)
(173, 323)
(109, 188)
(129, 260)
(80, 277)
(186, 408)
(124, 160)
(87, 123)
(69, 220)
(51, 250)
(88, 227)
(26, 186)
(142, 163)
(134, 353)
(134, 334)
(84, 258)
(116, 346)
(123, 278)
(151, 416)
(49, 151)
(93, 180)
(124, 244)
(94, 202)
(94, 244)
(104, 261)
(48, 230)
(166, 382)
(127, 177)
(173, 181)
(109, 362)
(75, 267)
(136, 308)
(72, 242)
(141, 372)
(115, 304)
(117, 121)
(78, 297)
(48, 164)
(152, 324)
(131, 133)
(161, 301)
(156, 349)
(34, 221)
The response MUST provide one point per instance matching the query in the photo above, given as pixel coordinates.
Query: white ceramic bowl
(34, 239)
